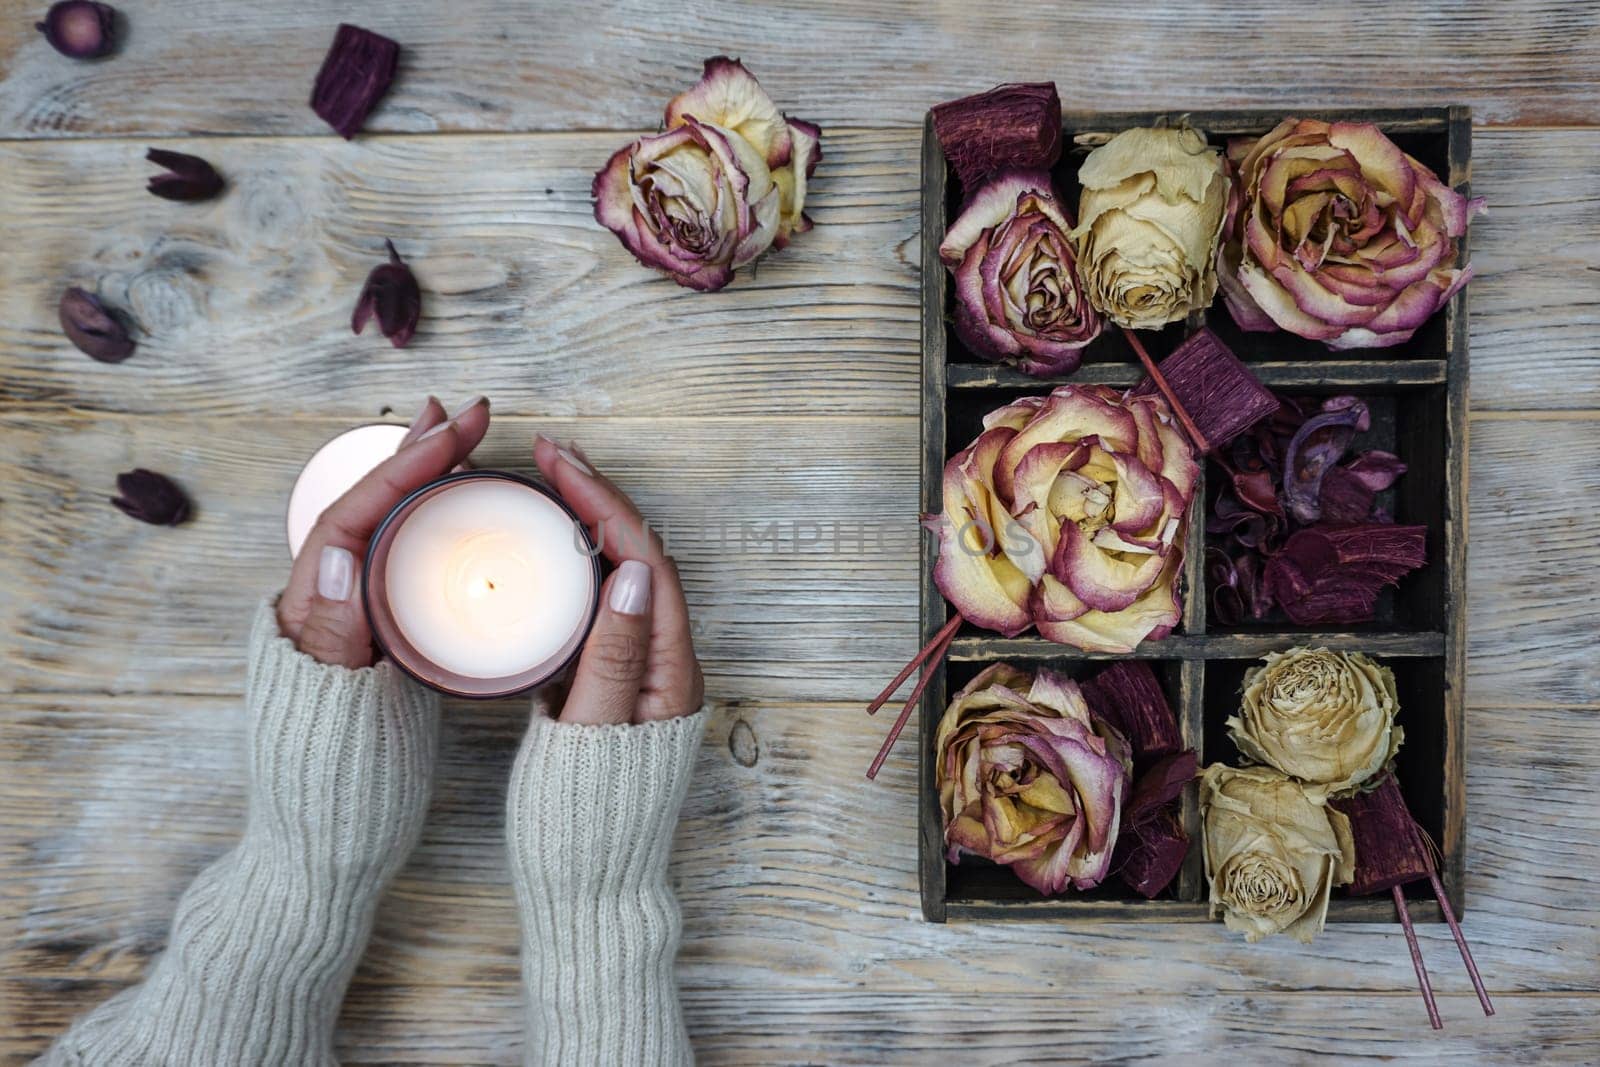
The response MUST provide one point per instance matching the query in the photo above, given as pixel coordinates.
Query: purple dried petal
(187, 177)
(1389, 851)
(1008, 126)
(80, 29)
(151, 497)
(1218, 391)
(390, 294)
(1128, 695)
(1377, 470)
(359, 68)
(93, 327)
(1344, 498)
(1332, 575)
(1317, 445)
(1150, 854)
(1161, 784)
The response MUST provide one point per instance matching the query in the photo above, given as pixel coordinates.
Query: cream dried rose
(1272, 853)
(1153, 206)
(1324, 718)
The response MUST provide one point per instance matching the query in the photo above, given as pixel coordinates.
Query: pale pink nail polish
(468, 406)
(630, 589)
(567, 455)
(336, 573)
(439, 429)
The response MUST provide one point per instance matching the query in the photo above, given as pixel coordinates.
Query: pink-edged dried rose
(1066, 514)
(1018, 296)
(1340, 236)
(1027, 777)
(725, 181)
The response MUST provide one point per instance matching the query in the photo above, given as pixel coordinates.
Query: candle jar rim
(382, 623)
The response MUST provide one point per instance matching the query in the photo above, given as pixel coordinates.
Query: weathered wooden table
(751, 421)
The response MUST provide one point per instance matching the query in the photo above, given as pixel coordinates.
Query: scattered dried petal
(1218, 391)
(1128, 695)
(187, 177)
(151, 497)
(94, 328)
(1008, 126)
(392, 295)
(1389, 851)
(359, 68)
(80, 29)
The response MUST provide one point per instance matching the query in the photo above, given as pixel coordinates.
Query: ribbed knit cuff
(266, 938)
(589, 825)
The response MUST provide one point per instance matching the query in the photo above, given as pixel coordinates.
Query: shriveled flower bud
(80, 28)
(151, 497)
(1324, 718)
(93, 327)
(392, 295)
(186, 177)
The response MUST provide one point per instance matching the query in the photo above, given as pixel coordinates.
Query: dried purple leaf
(1150, 854)
(151, 497)
(1161, 784)
(80, 29)
(1218, 391)
(1389, 851)
(187, 177)
(1128, 696)
(1333, 574)
(1008, 126)
(94, 328)
(1316, 446)
(1377, 470)
(392, 295)
(359, 68)
(1344, 498)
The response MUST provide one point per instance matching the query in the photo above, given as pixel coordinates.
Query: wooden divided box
(1417, 393)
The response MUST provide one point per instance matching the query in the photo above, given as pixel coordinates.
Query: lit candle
(334, 471)
(481, 584)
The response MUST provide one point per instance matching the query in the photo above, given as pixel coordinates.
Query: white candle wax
(487, 579)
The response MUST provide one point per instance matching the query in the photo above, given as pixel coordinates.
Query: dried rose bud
(358, 70)
(151, 497)
(392, 295)
(80, 29)
(187, 177)
(93, 327)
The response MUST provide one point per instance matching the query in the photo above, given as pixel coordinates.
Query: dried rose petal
(392, 295)
(93, 327)
(1377, 470)
(187, 177)
(1317, 446)
(1389, 852)
(358, 70)
(1150, 854)
(151, 497)
(1128, 695)
(1008, 126)
(1333, 574)
(80, 29)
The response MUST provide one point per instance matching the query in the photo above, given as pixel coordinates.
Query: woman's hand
(319, 610)
(638, 664)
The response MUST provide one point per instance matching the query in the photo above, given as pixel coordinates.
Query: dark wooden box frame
(1433, 658)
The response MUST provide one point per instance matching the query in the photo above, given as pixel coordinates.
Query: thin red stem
(1416, 958)
(1450, 918)
(916, 661)
(933, 661)
(1200, 443)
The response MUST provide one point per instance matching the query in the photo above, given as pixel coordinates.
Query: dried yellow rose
(1272, 853)
(1324, 718)
(1152, 209)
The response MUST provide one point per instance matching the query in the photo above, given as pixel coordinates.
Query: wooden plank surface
(245, 302)
(213, 66)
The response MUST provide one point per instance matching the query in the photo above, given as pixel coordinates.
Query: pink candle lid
(333, 471)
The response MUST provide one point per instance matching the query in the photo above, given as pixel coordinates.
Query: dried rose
(392, 295)
(151, 497)
(1272, 853)
(186, 177)
(95, 329)
(1340, 237)
(80, 29)
(1323, 718)
(1066, 514)
(1154, 203)
(357, 71)
(724, 182)
(1028, 777)
(1018, 297)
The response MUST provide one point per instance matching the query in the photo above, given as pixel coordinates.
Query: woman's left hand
(320, 610)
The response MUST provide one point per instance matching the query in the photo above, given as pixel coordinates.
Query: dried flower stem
(934, 657)
(1198, 439)
(1450, 919)
(1416, 958)
(916, 661)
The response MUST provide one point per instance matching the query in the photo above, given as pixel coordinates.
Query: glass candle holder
(481, 584)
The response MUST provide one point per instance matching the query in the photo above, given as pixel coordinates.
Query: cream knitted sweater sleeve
(266, 938)
(589, 824)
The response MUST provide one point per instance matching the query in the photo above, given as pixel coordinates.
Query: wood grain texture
(245, 302)
(209, 66)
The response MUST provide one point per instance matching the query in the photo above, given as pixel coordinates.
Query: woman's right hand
(638, 664)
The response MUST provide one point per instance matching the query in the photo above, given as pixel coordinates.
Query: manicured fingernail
(630, 589)
(336, 573)
(468, 406)
(441, 428)
(413, 431)
(567, 455)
